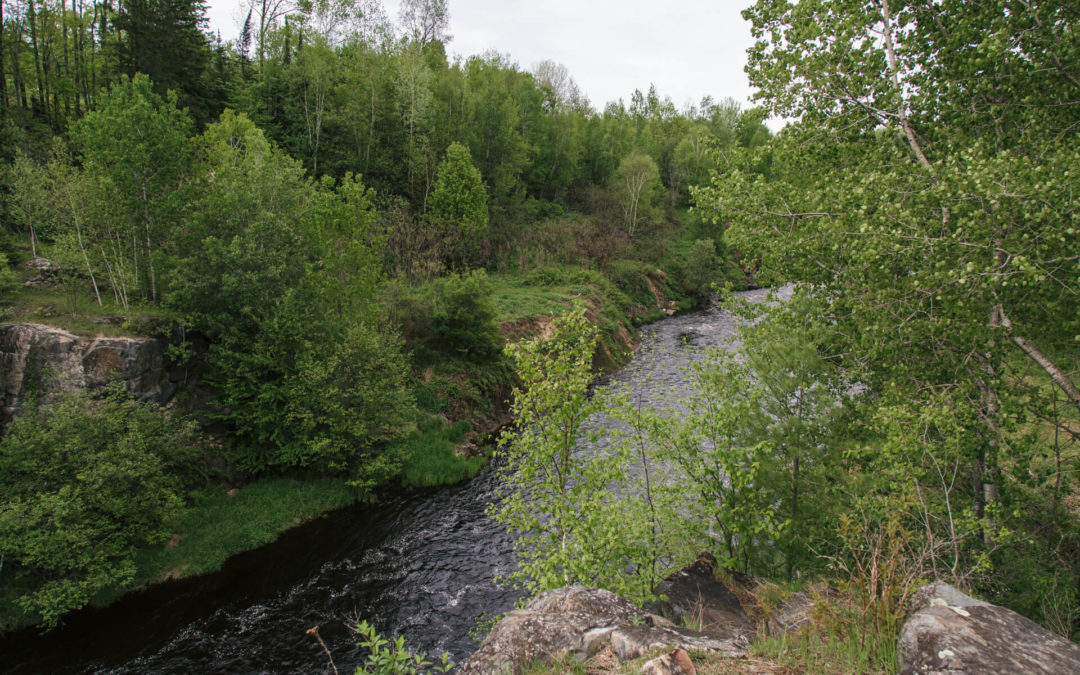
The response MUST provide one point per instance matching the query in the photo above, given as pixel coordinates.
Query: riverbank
(461, 403)
(418, 563)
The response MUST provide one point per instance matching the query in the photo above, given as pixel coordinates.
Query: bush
(431, 460)
(391, 657)
(84, 482)
(452, 316)
(464, 319)
(632, 278)
(702, 268)
(310, 394)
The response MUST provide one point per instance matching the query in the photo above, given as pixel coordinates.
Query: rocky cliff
(50, 361)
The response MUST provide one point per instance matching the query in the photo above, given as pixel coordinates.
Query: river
(419, 564)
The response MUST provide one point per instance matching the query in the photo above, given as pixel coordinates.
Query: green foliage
(284, 286)
(84, 482)
(32, 200)
(572, 522)
(464, 319)
(837, 640)
(702, 268)
(636, 185)
(552, 496)
(727, 465)
(309, 392)
(165, 42)
(8, 277)
(632, 278)
(926, 197)
(453, 317)
(430, 459)
(135, 150)
(459, 199)
(391, 657)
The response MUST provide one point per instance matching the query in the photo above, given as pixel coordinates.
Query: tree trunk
(3, 75)
(894, 73)
(67, 60)
(82, 247)
(149, 251)
(80, 74)
(32, 18)
(1057, 375)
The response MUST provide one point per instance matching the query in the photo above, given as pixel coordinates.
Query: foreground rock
(578, 622)
(49, 361)
(696, 598)
(676, 663)
(948, 633)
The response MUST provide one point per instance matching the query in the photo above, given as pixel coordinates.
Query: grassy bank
(454, 328)
(221, 523)
(217, 524)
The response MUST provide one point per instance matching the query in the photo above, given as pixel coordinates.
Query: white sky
(687, 48)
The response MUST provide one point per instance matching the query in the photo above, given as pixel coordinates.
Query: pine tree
(164, 39)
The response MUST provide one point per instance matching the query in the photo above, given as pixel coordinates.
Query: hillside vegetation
(354, 225)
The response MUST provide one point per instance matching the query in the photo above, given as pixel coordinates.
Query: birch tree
(636, 184)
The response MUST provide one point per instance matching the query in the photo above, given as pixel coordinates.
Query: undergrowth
(431, 460)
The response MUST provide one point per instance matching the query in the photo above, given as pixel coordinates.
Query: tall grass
(431, 460)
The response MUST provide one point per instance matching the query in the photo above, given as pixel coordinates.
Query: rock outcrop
(45, 273)
(696, 598)
(50, 361)
(949, 633)
(588, 623)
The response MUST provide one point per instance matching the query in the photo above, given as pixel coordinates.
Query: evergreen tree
(164, 39)
(459, 200)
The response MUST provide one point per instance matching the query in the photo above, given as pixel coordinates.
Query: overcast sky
(687, 48)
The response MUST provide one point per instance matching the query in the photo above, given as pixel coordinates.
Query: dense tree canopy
(924, 193)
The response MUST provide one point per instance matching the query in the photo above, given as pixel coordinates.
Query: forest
(344, 220)
(356, 225)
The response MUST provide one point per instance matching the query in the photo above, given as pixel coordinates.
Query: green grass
(220, 524)
(515, 302)
(76, 312)
(838, 639)
(431, 460)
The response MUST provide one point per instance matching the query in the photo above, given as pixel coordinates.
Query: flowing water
(420, 565)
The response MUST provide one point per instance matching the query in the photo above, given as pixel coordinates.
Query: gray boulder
(949, 633)
(580, 623)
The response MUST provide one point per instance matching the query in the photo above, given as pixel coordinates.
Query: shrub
(463, 322)
(84, 482)
(702, 268)
(391, 657)
(431, 460)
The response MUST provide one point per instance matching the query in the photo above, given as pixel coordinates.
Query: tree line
(261, 193)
